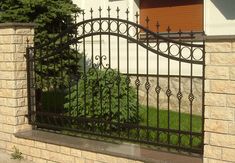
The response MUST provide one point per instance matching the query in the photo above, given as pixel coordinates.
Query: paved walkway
(6, 158)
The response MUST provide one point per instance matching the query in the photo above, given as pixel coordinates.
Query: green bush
(105, 95)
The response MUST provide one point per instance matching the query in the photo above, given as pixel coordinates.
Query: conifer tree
(51, 17)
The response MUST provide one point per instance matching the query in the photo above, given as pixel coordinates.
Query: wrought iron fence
(100, 77)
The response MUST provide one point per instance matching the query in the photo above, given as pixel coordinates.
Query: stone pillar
(220, 101)
(13, 83)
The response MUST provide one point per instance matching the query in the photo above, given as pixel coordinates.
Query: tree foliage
(51, 17)
(46, 14)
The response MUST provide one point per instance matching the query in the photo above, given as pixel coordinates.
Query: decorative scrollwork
(179, 95)
(100, 61)
(158, 89)
(168, 92)
(147, 85)
(191, 97)
(137, 82)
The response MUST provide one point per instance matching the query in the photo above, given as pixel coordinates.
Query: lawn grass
(150, 135)
(174, 138)
(173, 118)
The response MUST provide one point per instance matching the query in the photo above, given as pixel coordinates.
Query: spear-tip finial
(117, 9)
(168, 29)
(137, 14)
(100, 9)
(109, 9)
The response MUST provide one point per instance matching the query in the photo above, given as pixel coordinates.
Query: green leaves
(104, 95)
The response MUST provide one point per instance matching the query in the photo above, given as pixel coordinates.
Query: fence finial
(147, 22)
(137, 17)
(27, 42)
(109, 9)
(100, 9)
(118, 10)
(91, 11)
(127, 13)
(191, 34)
(168, 29)
(158, 26)
(83, 14)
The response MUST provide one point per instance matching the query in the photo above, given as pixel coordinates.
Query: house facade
(214, 17)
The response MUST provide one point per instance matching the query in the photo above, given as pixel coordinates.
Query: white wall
(132, 5)
(219, 17)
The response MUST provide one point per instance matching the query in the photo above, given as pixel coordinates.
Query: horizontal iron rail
(127, 125)
(163, 76)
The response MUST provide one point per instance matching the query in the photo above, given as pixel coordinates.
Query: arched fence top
(132, 32)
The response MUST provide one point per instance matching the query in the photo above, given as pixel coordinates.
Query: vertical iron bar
(203, 95)
(92, 39)
(41, 87)
(92, 65)
(77, 73)
(77, 78)
(118, 63)
(147, 86)
(54, 76)
(191, 88)
(158, 85)
(61, 62)
(48, 83)
(35, 83)
(127, 78)
(100, 86)
(29, 85)
(41, 62)
(137, 71)
(68, 73)
(84, 65)
(168, 89)
(110, 89)
(179, 92)
(62, 68)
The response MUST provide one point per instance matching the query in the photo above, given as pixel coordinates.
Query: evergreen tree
(51, 17)
(60, 61)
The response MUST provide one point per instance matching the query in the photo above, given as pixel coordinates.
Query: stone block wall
(220, 102)
(174, 87)
(40, 152)
(13, 83)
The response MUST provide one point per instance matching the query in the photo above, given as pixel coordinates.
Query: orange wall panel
(186, 15)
